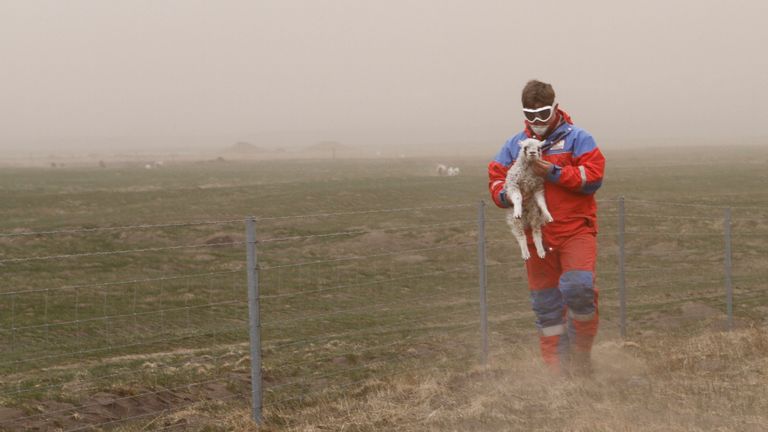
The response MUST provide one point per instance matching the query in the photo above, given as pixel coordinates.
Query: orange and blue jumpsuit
(562, 285)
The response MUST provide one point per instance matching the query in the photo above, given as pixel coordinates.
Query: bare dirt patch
(108, 408)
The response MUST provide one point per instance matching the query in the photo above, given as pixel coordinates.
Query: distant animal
(155, 164)
(443, 170)
(521, 181)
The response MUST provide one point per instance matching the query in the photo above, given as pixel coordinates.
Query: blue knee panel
(578, 291)
(548, 306)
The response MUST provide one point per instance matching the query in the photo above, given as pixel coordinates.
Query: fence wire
(335, 314)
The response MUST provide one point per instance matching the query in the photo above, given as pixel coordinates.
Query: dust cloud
(177, 75)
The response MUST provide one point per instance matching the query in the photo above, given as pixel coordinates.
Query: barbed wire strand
(373, 365)
(493, 305)
(666, 282)
(223, 329)
(381, 361)
(367, 231)
(222, 222)
(127, 315)
(68, 354)
(408, 340)
(655, 271)
(367, 308)
(362, 257)
(665, 254)
(676, 234)
(374, 330)
(120, 228)
(361, 212)
(115, 252)
(125, 282)
(377, 282)
(670, 203)
(681, 299)
(89, 385)
(660, 216)
(377, 377)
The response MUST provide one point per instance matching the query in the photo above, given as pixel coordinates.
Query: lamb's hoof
(542, 254)
(548, 219)
(517, 215)
(526, 256)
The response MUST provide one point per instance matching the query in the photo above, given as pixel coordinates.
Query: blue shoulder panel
(508, 153)
(583, 142)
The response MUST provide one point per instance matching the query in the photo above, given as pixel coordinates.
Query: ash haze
(175, 74)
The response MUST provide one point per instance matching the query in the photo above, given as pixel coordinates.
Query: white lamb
(521, 180)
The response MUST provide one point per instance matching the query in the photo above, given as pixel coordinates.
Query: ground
(370, 307)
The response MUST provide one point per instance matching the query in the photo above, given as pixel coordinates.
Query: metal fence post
(254, 319)
(728, 268)
(482, 275)
(622, 284)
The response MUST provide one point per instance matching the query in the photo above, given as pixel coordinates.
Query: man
(562, 285)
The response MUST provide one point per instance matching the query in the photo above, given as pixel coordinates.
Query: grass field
(370, 311)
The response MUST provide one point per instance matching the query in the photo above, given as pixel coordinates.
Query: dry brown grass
(711, 382)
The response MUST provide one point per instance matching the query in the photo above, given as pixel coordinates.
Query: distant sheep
(446, 171)
(156, 164)
(521, 180)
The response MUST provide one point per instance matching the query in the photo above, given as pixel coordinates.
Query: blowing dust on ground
(712, 382)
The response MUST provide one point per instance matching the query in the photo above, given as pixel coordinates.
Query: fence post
(254, 319)
(482, 274)
(728, 268)
(622, 284)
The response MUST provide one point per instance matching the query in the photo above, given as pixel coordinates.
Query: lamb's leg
(517, 230)
(537, 241)
(517, 203)
(542, 203)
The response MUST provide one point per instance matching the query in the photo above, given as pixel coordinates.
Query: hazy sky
(291, 72)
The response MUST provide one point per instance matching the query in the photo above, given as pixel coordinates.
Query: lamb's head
(530, 149)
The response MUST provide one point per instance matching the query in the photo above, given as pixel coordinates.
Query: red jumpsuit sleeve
(586, 173)
(497, 176)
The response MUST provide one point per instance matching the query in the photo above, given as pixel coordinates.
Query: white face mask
(540, 130)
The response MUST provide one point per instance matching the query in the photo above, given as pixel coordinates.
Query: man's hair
(536, 92)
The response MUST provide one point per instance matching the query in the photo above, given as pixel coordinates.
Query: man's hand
(541, 167)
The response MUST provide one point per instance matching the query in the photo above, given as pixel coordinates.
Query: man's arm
(586, 173)
(497, 176)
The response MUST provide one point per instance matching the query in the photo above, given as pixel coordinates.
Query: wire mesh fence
(100, 325)
(122, 326)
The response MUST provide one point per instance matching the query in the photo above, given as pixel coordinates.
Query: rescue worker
(562, 285)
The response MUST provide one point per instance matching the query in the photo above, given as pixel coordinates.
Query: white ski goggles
(543, 113)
